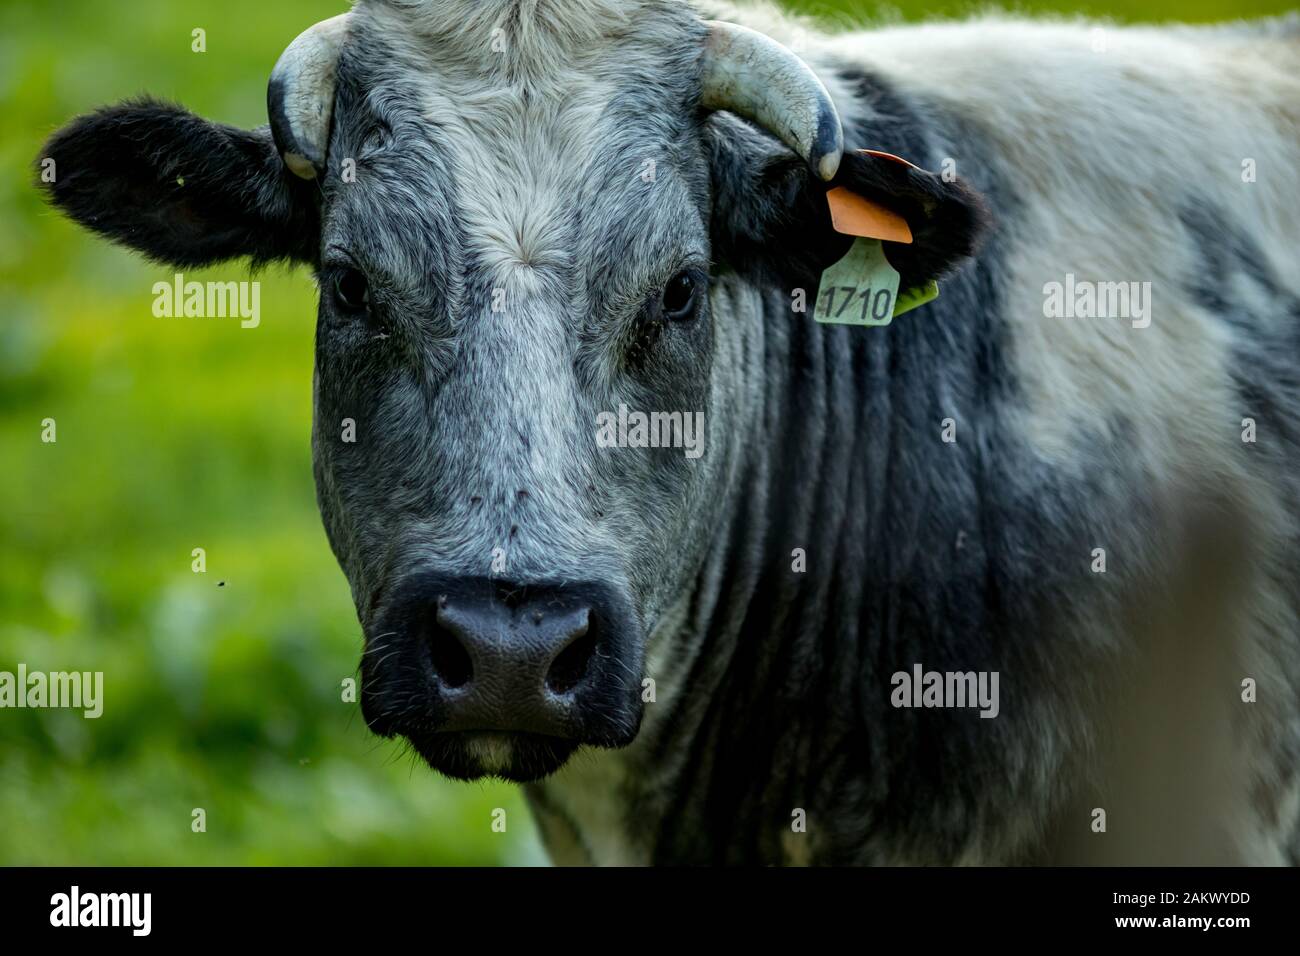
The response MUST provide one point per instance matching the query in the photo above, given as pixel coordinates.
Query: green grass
(177, 434)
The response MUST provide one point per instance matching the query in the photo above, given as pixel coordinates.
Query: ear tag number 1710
(859, 289)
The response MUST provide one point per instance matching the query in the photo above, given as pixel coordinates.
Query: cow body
(1088, 500)
(1120, 690)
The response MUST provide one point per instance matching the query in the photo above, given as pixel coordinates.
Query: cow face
(524, 425)
(523, 250)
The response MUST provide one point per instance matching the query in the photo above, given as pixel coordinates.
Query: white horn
(300, 95)
(756, 77)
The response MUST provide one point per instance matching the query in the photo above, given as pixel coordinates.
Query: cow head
(515, 213)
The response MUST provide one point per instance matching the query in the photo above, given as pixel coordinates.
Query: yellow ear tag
(917, 295)
(862, 288)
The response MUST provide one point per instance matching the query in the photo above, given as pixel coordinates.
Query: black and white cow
(528, 215)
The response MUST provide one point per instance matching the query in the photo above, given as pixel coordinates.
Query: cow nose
(479, 640)
(507, 659)
(468, 668)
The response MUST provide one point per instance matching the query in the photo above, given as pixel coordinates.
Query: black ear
(770, 217)
(179, 188)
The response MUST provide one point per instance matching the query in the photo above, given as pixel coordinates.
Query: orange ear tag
(854, 215)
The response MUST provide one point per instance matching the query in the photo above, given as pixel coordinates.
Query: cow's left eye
(679, 296)
(351, 291)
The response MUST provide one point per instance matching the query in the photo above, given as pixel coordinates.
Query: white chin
(493, 752)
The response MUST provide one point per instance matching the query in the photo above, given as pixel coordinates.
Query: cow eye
(351, 291)
(679, 296)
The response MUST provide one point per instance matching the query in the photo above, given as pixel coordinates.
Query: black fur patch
(179, 188)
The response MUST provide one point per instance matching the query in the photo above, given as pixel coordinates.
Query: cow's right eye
(351, 291)
(678, 298)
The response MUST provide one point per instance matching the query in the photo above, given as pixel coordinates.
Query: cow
(1063, 491)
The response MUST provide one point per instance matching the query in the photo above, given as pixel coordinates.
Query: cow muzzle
(486, 677)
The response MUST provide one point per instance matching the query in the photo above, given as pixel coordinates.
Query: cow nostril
(571, 664)
(451, 662)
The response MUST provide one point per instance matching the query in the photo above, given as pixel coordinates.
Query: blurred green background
(182, 433)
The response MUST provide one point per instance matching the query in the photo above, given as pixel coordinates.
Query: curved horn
(300, 95)
(752, 75)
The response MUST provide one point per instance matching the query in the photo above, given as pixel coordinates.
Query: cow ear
(770, 217)
(179, 188)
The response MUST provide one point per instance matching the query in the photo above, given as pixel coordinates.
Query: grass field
(223, 688)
